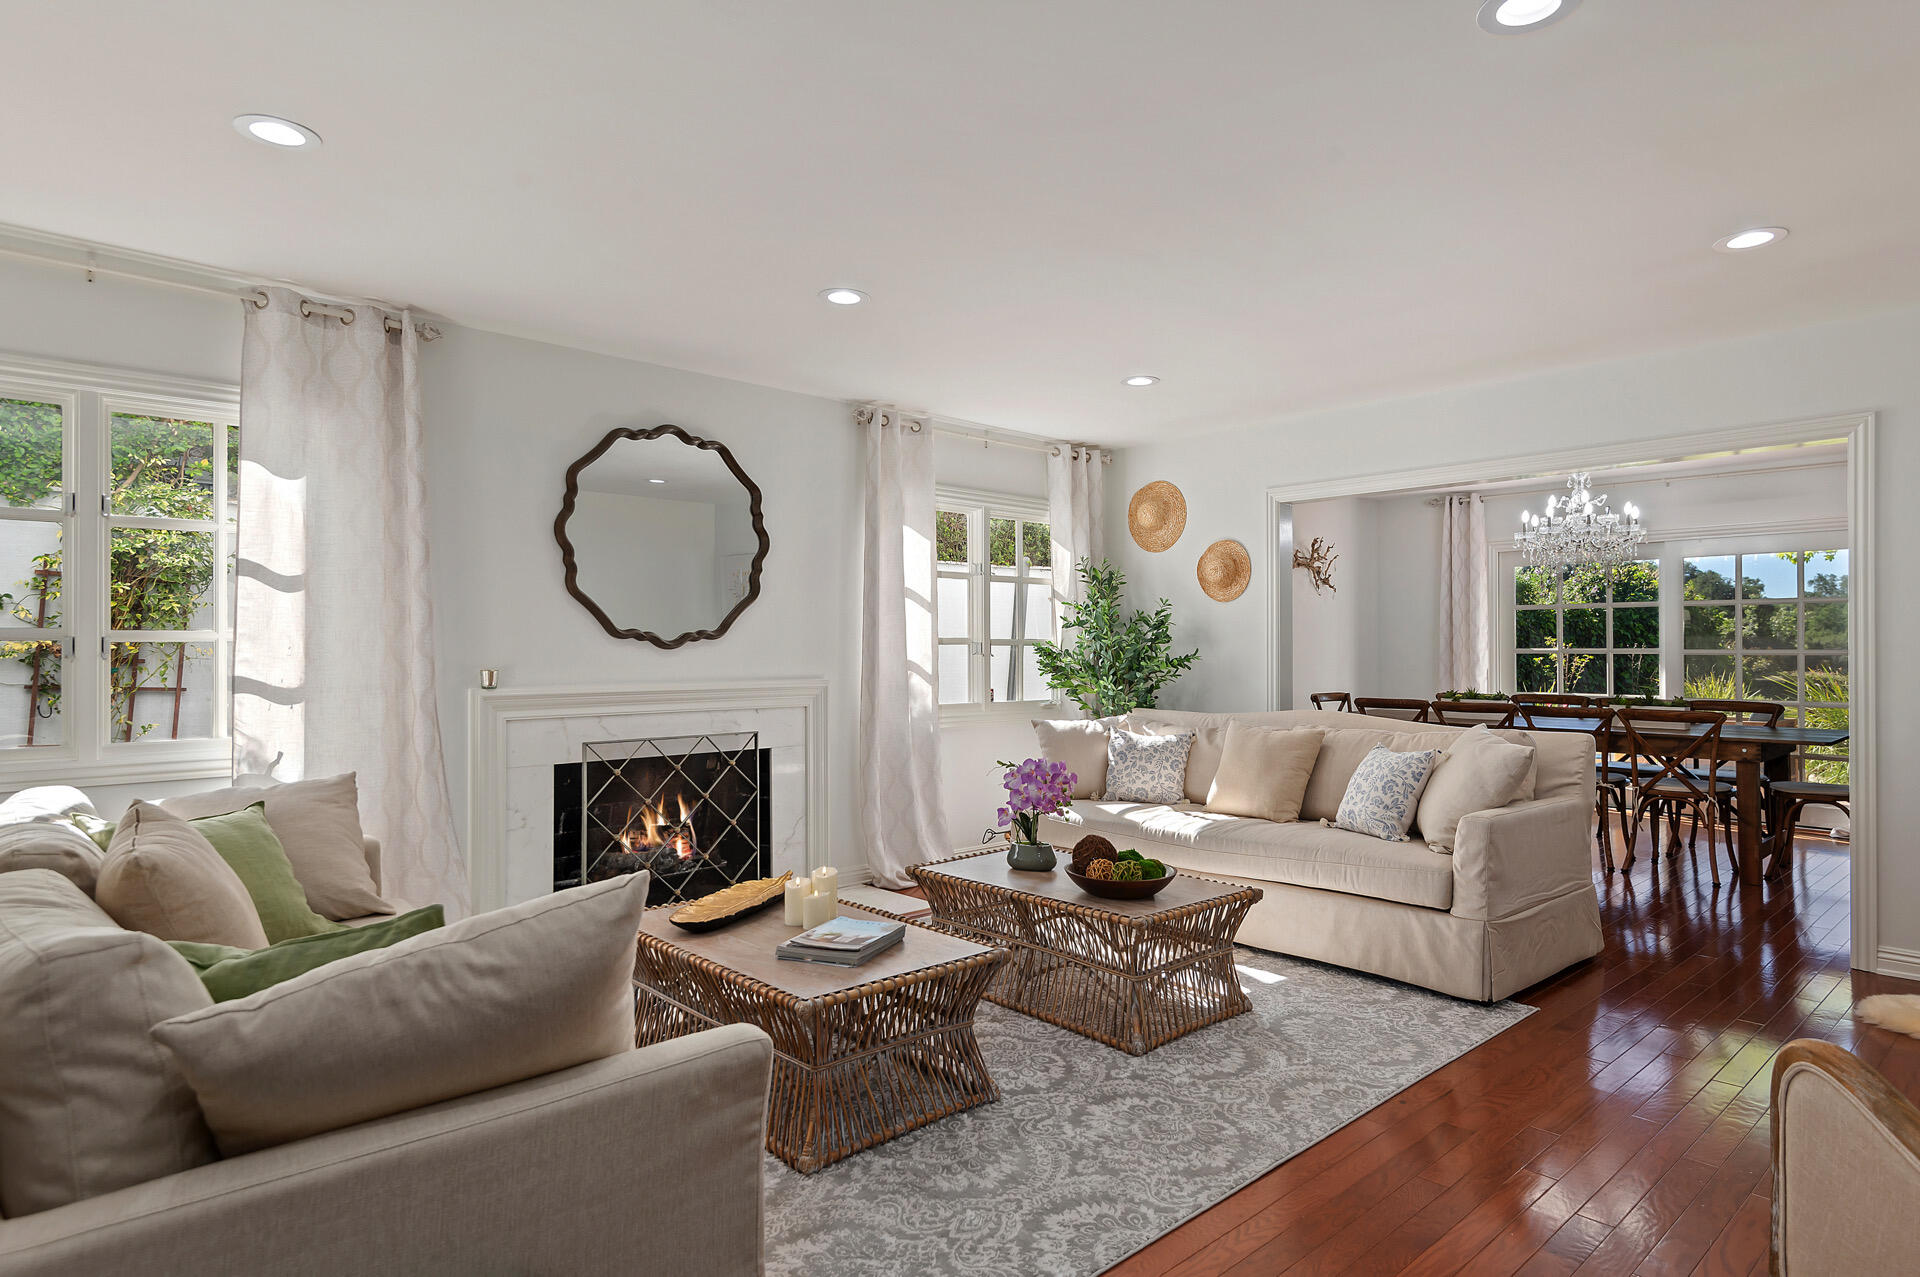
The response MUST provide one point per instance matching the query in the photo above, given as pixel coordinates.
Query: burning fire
(648, 828)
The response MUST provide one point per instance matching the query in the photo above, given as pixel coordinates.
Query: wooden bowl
(1107, 889)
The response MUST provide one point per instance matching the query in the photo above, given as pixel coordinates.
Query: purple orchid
(1035, 788)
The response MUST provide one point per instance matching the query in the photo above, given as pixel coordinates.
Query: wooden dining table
(1754, 749)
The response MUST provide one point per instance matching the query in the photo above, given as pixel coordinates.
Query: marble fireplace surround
(519, 734)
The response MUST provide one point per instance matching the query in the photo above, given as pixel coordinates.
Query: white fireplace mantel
(495, 716)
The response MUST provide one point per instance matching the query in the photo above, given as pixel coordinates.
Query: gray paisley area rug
(1091, 1153)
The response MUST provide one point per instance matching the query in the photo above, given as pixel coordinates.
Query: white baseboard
(856, 877)
(1903, 963)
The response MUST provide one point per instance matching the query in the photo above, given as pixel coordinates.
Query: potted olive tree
(1113, 663)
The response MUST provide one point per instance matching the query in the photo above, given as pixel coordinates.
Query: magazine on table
(843, 941)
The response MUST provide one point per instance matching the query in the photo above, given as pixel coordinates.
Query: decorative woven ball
(1092, 847)
(1126, 871)
(1152, 871)
(1102, 870)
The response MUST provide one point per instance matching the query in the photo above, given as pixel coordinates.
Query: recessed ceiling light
(843, 296)
(1505, 17)
(1141, 381)
(275, 131)
(656, 481)
(1747, 240)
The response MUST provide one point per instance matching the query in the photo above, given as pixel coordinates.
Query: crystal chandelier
(1579, 530)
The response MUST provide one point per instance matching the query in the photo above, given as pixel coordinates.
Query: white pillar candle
(797, 891)
(826, 882)
(816, 909)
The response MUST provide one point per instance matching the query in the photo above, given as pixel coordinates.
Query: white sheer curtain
(1466, 657)
(1074, 492)
(897, 781)
(332, 654)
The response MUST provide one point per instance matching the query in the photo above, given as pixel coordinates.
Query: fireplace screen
(691, 810)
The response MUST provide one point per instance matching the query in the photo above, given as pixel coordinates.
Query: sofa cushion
(1302, 854)
(52, 844)
(1263, 771)
(163, 877)
(1478, 772)
(1080, 743)
(490, 1000)
(247, 843)
(88, 1102)
(44, 803)
(1143, 768)
(1341, 754)
(1384, 794)
(232, 973)
(1203, 757)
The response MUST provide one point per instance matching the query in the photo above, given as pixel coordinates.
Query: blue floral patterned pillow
(1385, 792)
(1147, 769)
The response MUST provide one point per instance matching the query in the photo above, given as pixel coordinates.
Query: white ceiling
(1270, 205)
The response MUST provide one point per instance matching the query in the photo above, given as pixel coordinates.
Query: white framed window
(1767, 627)
(1593, 630)
(993, 598)
(118, 510)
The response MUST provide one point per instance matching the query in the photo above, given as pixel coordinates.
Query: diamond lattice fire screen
(690, 810)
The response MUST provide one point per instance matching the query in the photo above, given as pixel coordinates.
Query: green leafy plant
(1114, 663)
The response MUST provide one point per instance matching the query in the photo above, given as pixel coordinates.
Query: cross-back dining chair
(1675, 758)
(1342, 701)
(1475, 713)
(1760, 713)
(1414, 711)
(1611, 779)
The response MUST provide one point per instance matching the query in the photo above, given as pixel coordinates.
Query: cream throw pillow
(163, 877)
(1263, 772)
(88, 1103)
(55, 845)
(490, 1000)
(318, 822)
(1479, 771)
(1080, 743)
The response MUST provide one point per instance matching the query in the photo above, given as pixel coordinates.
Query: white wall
(1810, 372)
(1334, 644)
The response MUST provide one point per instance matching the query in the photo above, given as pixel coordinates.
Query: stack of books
(843, 942)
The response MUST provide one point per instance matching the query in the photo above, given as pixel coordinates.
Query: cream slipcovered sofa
(1511, 905)
(647, 1160)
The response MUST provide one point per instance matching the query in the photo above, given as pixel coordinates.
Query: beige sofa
(1512, 904)
(646, 1161)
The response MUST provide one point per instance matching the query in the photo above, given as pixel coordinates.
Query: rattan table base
(1126, 973)
(851, 1069)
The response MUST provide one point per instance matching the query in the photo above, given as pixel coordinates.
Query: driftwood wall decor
(1318, 559)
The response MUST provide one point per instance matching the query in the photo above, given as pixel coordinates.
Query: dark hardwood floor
(1620, 1129)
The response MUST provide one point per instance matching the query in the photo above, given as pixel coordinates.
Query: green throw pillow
(231, 973)
(247, 842)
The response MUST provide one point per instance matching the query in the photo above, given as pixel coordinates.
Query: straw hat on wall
(1157, 516)
(1224, 570)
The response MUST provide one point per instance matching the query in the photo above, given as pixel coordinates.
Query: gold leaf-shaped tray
(730, 904)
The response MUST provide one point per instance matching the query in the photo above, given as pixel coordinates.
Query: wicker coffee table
(1134, 974)
(861, 1054)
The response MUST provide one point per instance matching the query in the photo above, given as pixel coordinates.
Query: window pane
(161, 580)
(1636, 675)
(1000, 543)
(1770, 626)
(161, 467)
(30, 695)
(1770, 678)
(161, 691)
(30, 440)
(1827, 574)
(1033, 684)
(950, 536)
(1000, 609)
(950, 600)
(1586, 672)
(1533, 629)
(1039, 611)
(1826, 626)
(1709, 627)
(1636, 627)
(1586, 627)
(1037, 540)
(1533, 585)
(30, 588)
(955, 680)
(1769, 576)
(1636, 583)
(1708, 578)
(1708, 678)
(1533, 673)
(1585, 585)
(1000, 669)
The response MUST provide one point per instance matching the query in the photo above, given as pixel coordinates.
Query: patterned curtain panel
(332, 653)
(1466, 658)
(1074, 501)
(898, 780)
